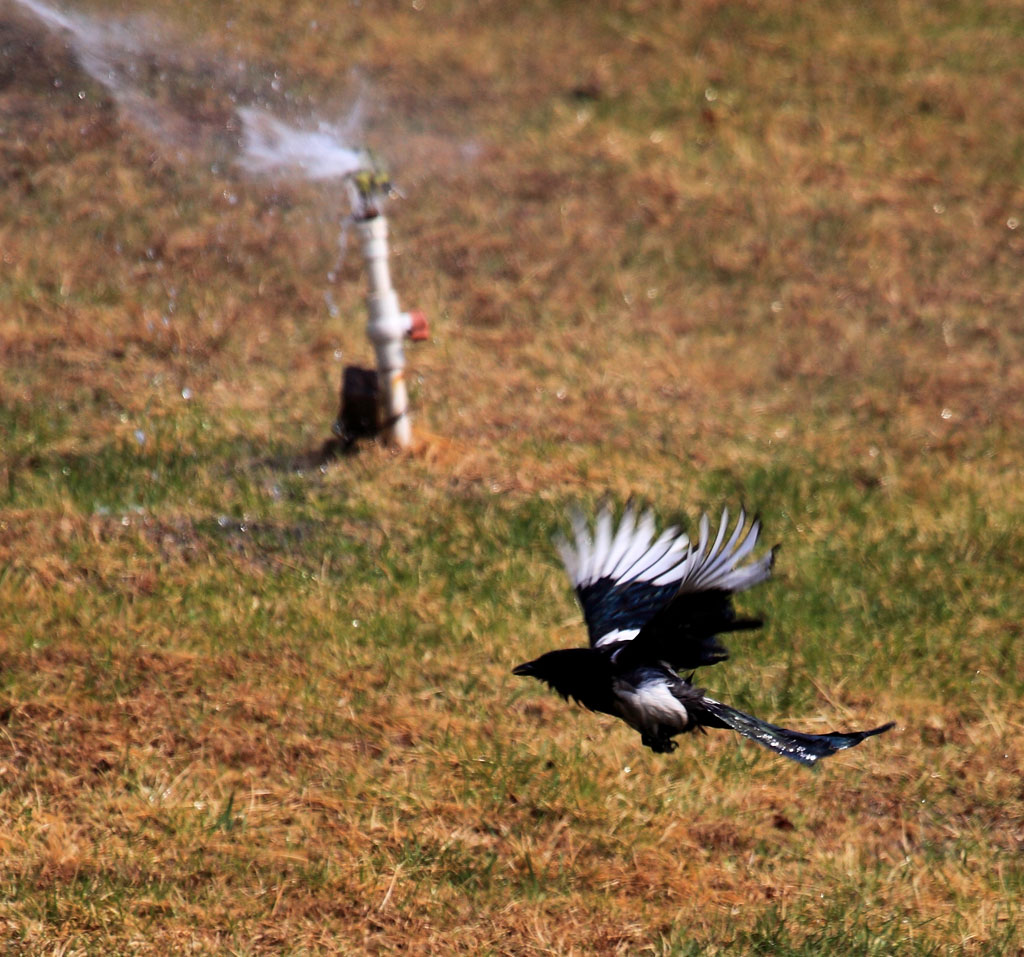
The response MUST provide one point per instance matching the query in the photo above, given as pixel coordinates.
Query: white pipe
(386, 328)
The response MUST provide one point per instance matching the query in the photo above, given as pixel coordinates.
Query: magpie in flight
(655, 607)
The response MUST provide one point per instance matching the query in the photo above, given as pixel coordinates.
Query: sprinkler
(387, 326)
(373, 403)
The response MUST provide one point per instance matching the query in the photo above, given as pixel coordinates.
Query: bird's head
(548, 667)
(579, 673)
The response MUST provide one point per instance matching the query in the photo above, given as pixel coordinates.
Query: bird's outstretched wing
(670, 592)
(683, 631)
(623, 576)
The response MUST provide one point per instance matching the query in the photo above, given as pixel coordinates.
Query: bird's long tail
(796, 745)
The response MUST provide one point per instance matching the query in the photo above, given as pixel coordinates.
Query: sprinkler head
(369, 188)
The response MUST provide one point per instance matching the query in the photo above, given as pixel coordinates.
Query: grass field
(253, 701)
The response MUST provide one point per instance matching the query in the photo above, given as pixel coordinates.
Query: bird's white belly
(650, 705)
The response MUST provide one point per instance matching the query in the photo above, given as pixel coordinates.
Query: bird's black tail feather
(796, 745)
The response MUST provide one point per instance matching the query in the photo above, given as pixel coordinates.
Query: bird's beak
(523, 669)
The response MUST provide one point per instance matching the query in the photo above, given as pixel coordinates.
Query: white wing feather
(630, 553)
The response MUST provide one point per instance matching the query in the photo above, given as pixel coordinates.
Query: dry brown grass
(252, 702)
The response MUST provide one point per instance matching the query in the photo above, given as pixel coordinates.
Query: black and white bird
(655, 607)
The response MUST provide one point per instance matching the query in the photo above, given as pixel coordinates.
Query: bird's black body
(657, 607)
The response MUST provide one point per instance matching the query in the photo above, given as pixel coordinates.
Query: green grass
(257, 701)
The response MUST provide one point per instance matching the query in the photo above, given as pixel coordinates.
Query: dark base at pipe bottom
(359, 415)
